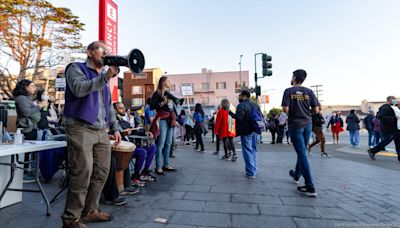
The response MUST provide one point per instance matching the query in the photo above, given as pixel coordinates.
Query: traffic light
(266, 65)
(258, 90)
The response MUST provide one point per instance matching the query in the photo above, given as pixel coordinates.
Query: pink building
(209, 88)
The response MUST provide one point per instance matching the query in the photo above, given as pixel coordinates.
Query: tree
(276, 111)
(34, 34)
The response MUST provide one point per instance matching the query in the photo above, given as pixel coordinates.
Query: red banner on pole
(108, 32)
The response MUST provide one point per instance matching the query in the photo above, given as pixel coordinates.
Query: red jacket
(224, 125)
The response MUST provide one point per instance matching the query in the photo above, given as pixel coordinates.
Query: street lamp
(240, 71)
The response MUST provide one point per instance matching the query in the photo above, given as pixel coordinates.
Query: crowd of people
(90, 120)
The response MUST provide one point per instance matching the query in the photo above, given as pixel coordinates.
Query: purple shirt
(377, 124)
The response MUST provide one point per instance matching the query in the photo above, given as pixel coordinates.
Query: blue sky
(351, 47)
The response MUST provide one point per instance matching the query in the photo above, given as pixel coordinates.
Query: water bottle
(18, 137)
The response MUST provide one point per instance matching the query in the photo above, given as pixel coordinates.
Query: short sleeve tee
(147, 114)
(299, 100)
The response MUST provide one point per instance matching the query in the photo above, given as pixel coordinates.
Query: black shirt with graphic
(299, 99)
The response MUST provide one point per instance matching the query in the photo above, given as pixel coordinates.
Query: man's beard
(97, 62)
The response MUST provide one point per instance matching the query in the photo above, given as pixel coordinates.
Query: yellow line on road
(387, 154)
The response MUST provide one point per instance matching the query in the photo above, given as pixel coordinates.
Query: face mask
(45, 97)
(394, 102)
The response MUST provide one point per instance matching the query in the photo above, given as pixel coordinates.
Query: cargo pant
(89, 157)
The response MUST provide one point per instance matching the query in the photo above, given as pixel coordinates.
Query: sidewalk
(209, 192)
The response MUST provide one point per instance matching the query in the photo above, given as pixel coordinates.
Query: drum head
(122, 146)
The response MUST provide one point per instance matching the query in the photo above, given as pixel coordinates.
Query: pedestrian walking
(249, 135)
(369, 125)
(317, 124)
(388, 122)
(297, 101)
(336, 124)
(226, 130)
(353, 126)
(377, 130)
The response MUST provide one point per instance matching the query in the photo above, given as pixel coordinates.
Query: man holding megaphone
(88, 113)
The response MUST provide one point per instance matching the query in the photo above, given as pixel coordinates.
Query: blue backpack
(257, 119)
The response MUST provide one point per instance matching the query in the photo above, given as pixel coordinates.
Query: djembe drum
(123, 154)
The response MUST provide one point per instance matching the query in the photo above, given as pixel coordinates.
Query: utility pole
(240, 72)
(317, 91)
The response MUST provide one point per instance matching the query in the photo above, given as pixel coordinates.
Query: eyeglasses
(102, 50)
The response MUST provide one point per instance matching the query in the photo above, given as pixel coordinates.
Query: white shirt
(397, 113)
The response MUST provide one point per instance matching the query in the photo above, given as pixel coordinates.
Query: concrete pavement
(209, 192)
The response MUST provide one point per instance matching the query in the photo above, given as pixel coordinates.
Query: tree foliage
(34, 34)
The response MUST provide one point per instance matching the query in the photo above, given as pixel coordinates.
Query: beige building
(209, 87)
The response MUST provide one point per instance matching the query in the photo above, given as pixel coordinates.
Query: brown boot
(74, 224)
(96, 216)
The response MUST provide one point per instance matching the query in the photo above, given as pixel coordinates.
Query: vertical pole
(187, 99)
(255, 74)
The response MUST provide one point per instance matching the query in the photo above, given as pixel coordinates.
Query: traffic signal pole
(255, 73)
(266, 65)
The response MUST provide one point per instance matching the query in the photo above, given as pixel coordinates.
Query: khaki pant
(319, 138)
(89, 157)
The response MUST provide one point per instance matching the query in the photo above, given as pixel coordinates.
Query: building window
(137, 101)
(191, 101)
(205, 86)
(221, 85)
(205, 100)
(140, 76)
(238, 86)
(136, 89)
(172, 88)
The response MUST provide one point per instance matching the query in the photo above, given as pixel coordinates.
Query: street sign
(60, 83)
(264, 99)
(187, 90)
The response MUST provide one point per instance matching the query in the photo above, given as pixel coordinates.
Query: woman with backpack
(225, 129)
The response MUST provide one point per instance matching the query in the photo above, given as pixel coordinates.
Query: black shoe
(371, 154)
(292, 177)
(310, 192)
(172, 156)
(234, 157)
(168, 168)
(117, 202)
(324, 154)
(398, 157)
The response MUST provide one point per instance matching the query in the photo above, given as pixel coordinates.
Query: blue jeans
(371, 138)
(354, 137)
(386, 139)
(300, 138)
(377, 137)
(163, 142)
(249, 150)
